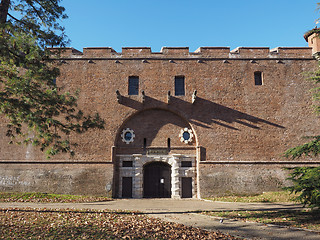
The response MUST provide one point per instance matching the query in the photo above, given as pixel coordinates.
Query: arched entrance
(157, 180)
(155, 156)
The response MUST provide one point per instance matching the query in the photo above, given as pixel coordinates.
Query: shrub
(306, 183)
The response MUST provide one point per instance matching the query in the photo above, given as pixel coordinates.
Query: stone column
(137, 177)
(175, 181)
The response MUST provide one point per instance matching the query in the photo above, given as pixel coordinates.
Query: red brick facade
(241, 125)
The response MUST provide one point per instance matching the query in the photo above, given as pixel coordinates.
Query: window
(179, 86)
(169, 143)
(144, 143)
(133, 85)
(258, 78)
(127, 164)
(186, 164)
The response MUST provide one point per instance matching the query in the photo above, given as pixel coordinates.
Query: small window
(179, 88)
(258, 78)
(133, 85)
(169, 143)
(186, 164)
(127, 164)
(144, 143)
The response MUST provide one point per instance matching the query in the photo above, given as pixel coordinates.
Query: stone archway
(161, 140)
(157, 180)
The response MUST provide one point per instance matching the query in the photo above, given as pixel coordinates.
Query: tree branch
(36, 11)
(16, 19)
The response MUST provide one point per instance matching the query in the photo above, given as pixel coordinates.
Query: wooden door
(157, 180)
(127, 187)
(186, 183)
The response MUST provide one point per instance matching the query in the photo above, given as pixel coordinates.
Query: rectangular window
(144, 143)
(186, 164)
(133, 85)
(127, 164)
(179, 88)
(258, 78)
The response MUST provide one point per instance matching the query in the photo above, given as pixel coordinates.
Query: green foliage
(36, 110)
(306, 180)
(311, 148)
(271, 197)
(48, 198)
(306, 183)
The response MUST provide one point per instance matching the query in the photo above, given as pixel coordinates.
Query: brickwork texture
(240, 129)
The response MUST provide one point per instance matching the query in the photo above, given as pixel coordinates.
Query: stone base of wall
(82, 179)
(241, 179)
(215, 179)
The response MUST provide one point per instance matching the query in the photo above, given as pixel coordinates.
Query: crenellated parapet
(184, 53)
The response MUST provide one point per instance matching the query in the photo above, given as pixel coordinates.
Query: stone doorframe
(177, 172)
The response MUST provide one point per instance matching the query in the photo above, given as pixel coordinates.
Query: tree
(306, 180)
(29, 98)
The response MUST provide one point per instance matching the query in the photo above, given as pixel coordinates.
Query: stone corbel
(119, 97)
(169, 97)
(143, 96)
(194, 96)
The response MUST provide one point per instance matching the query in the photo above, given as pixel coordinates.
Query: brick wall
(233, 119)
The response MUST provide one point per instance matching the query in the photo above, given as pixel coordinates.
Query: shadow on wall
(202, 113)
(153, 127)
(210, 112)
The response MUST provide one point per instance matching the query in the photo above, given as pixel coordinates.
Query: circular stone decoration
(186, 135)
(127, 135)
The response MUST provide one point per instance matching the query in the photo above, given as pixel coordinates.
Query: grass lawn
(300, 219)
(82, 224)
(47, 198)
(272, 197)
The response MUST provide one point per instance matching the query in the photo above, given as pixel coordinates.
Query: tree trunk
(4, 8)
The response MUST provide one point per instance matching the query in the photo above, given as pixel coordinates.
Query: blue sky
(188, 23)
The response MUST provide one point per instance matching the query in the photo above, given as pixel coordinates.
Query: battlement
(98, 51)
(183, 52)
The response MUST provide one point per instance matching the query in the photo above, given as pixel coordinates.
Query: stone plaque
(157, 151)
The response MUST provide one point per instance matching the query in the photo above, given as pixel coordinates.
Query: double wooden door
(157, 180)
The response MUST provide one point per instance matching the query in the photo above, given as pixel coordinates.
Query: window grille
(179, 88)
(258, 78)
(133, 85)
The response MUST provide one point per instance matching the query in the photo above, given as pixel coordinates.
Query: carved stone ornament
(127, 135)
(186, 135)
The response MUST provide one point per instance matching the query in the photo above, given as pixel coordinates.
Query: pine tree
(29, 98)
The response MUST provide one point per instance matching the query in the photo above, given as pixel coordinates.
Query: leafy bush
(306, 183)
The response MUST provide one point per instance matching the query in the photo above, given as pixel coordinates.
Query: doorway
(127, 187)
(157, 180)
(186, 187)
